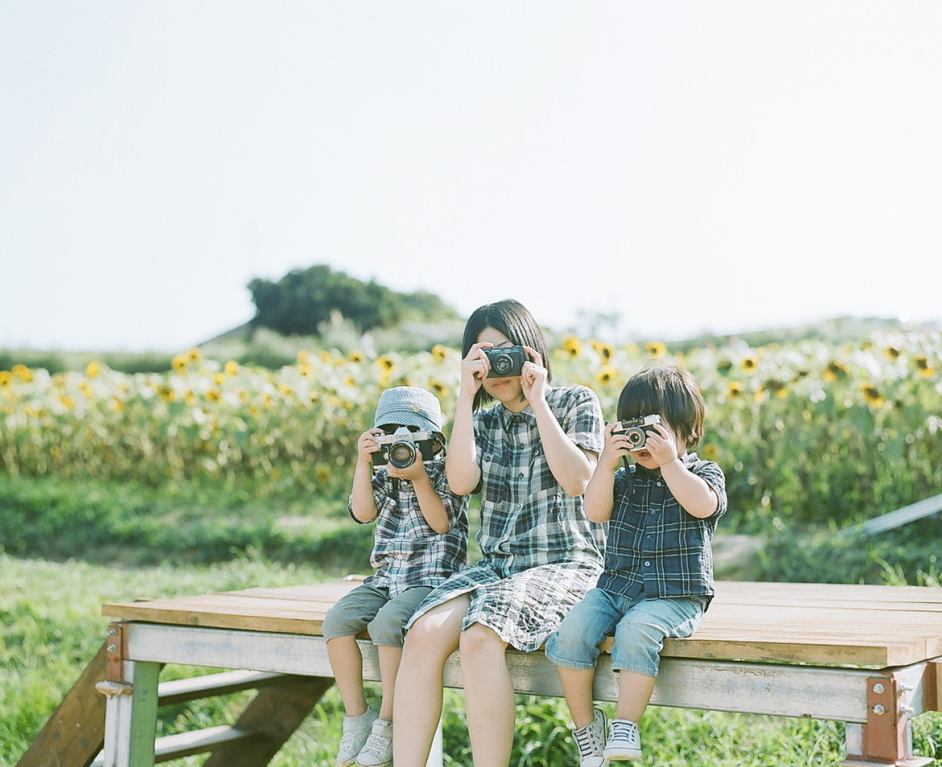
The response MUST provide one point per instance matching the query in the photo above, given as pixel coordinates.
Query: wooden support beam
(273, 716)
(77, 727)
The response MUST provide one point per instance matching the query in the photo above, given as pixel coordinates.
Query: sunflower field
(806, 431)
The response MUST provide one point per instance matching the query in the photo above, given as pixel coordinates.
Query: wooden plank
(769, 590)
(777, 634)
(75, 732)
(813, 623)
(182, 744)
(209, 685)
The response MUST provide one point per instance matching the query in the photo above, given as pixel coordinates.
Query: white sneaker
(591, 740)
(356, 729)
(378, 750)
(624, 744)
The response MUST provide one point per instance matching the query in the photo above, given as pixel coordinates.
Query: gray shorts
(370, 608)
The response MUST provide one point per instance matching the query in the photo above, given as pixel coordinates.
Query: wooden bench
(869, 656)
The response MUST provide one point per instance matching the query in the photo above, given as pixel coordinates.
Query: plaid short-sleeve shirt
(407, 552)
(654, 546)
(540, 553)
(527, 519)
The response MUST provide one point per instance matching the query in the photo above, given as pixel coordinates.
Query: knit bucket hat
(409, 406)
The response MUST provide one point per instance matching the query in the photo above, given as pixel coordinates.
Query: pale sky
(691, 166)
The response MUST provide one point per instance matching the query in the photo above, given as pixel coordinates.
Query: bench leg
(858, 756)
(435, 755)
(886, 739)
(131, 716)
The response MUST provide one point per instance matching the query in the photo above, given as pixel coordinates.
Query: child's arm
(692, 492)
(571, 465)
(362, 504)
(600, 494)
(461, 464)
(430, 502)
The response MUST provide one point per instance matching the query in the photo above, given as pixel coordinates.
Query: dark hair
(670, 392)
(512, 319)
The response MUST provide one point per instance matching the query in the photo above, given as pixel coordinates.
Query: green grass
(73, 546)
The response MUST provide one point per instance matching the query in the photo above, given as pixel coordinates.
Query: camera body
(506, 361)
(637, 429)
(403, 447)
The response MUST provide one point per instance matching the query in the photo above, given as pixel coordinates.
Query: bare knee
(481, 642)
(426, 641)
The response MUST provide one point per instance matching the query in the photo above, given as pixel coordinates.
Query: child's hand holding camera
(367, 444)
(662, 445)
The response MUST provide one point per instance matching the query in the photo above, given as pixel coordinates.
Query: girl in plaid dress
(531, 456)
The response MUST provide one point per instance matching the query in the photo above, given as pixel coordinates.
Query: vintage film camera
(637, 429)
(401, 448)
(506, 361)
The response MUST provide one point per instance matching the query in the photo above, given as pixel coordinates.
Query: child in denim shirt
(662, 512)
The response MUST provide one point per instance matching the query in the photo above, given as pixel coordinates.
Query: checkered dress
(407, 552)
(540, 554)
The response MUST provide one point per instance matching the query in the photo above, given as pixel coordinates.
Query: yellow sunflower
(606, 375)
(655, 348)
(572, 347)
(923, 366)
(835, 371)
(749, 364)
(872, 395)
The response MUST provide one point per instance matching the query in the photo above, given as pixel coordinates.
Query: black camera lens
(502, 363)
(636, 437)
(402, 454)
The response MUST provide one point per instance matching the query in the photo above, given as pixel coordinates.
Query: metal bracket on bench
(117, 651)
(886, 738)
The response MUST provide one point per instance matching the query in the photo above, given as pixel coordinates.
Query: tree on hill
(301, 301)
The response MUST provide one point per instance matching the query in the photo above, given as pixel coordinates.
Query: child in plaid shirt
(421, 538)
(658, 578)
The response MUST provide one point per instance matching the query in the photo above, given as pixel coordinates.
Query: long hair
(512, 319)
(668, 391)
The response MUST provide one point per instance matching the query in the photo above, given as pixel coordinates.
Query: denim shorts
(639, 625)
(370, 608)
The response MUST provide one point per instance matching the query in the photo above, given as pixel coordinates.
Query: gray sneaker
(378, 750)
(356, 729)
(624, 744)
(591, 740)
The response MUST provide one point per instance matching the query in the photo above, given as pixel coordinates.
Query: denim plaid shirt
(654, 545)
(527, 519)
(407, 552)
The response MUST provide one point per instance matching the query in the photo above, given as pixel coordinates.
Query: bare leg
(389, 658)
(347, 665)
(634, 692)
(577, 687)
(489, 696)
(417, 705)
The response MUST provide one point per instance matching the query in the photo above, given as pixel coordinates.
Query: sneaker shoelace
(589, 740)
(376, 743)
(623, 730)
(350, 738)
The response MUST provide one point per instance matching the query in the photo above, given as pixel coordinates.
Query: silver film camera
(637, 429)
(403, 447)
(506, 361)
